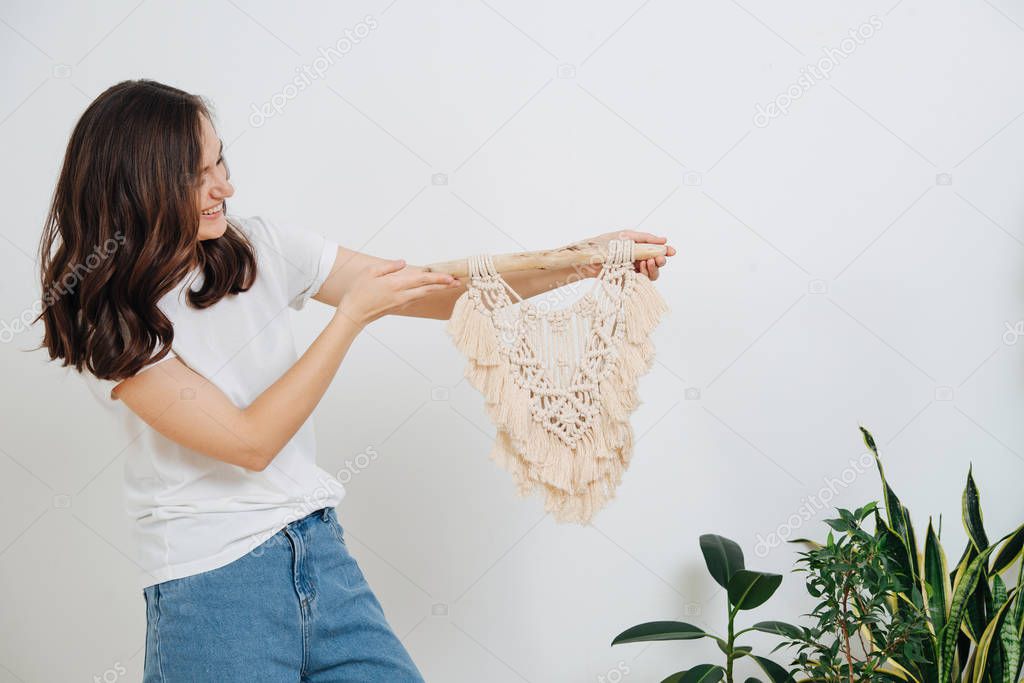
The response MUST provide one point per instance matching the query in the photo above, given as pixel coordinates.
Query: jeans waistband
(323, 513)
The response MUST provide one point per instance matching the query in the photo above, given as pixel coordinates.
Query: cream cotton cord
(560, 384)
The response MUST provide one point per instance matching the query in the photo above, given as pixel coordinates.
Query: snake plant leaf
(964, 588)
(660, 630)
(776, 674)
(895, 548)
(1000, 597)
(971, 503)
(1010, 639)
(978, 602)
(778, 628)
(1010, 552)
(989, 645)
(999, 594)
(936, 579)
(896, 677)
(893, 507)
(896, 513)
(749, 589)
(869, 440)
(979, 607)
(1018, 621)
(910, 540)
(965, 656)
(723, 557)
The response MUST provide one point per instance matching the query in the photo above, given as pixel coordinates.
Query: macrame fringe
(576, 482)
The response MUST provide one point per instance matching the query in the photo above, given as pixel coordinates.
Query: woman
(174, 314)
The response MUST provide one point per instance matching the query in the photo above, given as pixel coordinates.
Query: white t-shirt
(191, 512)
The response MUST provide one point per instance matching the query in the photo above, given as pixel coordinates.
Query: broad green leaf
(775, 672)
(966, 582)
(1010, 552)
(737, 650)
(973, 523)
(779, 628)
(749, 589)
(660, 630)
(988, 642)
(703, 673)
(723, 557)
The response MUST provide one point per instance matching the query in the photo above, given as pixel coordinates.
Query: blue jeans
(297, 608)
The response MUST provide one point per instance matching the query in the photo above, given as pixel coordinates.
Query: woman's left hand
(649, 267)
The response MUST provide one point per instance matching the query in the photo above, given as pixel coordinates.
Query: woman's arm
(439, 305)
(183, 406)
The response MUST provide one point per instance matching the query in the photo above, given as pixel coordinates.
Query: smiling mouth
(213, 211)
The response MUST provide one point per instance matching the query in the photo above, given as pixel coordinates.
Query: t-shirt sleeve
(307, 258)
(101, 388)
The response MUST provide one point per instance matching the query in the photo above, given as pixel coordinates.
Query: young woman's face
(214, 187)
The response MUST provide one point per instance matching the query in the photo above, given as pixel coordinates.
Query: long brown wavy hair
(122, 231)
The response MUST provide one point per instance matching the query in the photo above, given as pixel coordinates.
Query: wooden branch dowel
(581, 253)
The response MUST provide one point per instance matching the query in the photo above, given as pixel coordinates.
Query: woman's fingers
(432, 279)
(387, 267)
(421, 291)
(418, 278)
(641, 237)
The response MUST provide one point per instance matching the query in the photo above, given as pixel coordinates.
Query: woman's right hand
(387, 287)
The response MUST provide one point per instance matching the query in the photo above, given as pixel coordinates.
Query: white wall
(856, 260)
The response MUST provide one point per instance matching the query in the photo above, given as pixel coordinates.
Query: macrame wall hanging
(560, 384)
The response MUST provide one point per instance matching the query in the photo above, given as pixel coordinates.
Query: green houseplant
(916, 620)
(746, 590)
(852, 577)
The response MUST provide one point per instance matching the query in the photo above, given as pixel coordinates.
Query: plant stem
(731, 639)
(846, 633)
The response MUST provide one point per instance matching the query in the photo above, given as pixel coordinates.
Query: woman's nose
(222, 190)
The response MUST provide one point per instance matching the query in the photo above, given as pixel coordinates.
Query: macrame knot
(560, 384)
